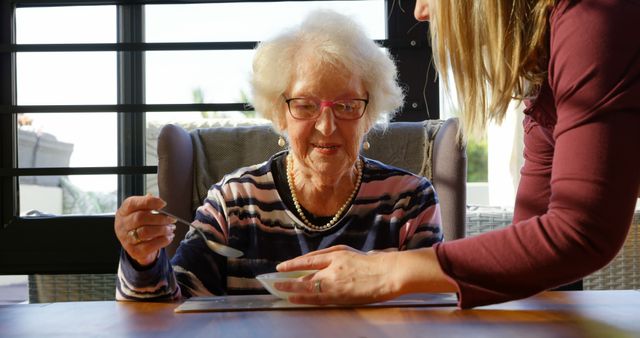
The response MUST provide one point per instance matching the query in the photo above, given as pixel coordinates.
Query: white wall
(505, 144)
(42, 198)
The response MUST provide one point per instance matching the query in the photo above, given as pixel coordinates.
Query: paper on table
(271, 303)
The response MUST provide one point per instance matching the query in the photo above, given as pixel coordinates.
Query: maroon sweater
(581, 174)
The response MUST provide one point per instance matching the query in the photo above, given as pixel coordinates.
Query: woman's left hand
(346, 276)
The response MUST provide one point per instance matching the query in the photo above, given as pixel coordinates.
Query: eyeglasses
(309, 109)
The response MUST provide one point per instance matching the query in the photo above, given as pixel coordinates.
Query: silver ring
(317, 287)
(134, 234)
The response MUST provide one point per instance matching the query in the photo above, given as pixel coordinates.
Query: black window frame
(87, 244)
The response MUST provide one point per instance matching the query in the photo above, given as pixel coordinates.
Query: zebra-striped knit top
(392, 210)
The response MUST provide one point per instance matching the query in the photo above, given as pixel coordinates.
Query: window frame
(86, 243)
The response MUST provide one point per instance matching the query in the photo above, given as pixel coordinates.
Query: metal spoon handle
(221, 249)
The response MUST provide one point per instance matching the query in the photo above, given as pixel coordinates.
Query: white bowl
(268, 279)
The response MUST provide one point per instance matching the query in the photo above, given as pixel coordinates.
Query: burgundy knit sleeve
(579, 187)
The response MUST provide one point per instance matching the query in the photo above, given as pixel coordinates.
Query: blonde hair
(330, 39)
(496, 52)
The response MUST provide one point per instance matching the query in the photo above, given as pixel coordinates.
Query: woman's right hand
(141, 233)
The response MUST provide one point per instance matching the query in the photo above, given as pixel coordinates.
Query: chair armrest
(175, 175)
(449, 169)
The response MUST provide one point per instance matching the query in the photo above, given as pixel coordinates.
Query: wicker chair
(71, 287)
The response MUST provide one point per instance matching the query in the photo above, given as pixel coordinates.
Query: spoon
(221, 249)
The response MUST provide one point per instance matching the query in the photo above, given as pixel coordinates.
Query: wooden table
(551, 314)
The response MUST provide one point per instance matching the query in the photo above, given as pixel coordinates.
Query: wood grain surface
(550, 314)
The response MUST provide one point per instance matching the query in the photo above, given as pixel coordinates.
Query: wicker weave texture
(622, 273)
(70, 288)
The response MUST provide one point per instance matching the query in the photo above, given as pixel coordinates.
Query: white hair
(333, 39)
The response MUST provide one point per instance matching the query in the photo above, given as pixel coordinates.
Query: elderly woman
(324, 85)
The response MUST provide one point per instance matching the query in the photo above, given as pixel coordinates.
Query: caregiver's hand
(346, 276)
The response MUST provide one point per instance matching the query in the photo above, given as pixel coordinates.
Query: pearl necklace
(344, 206)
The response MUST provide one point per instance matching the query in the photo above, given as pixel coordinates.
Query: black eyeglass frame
(364, 110)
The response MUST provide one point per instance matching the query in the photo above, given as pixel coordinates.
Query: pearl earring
(281, 142)
(366, 145)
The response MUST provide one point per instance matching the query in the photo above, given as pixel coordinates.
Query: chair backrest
(190, 162)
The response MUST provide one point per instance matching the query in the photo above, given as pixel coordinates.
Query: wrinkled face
(325, 146)
(421, 12)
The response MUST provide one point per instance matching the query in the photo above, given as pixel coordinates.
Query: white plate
(268, 279)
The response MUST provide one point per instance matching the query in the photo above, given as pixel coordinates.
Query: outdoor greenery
(477, 167)
(77, 201)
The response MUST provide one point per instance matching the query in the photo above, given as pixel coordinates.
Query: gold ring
(317, 287)
(134, 234)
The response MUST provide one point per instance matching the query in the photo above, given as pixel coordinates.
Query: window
(85, 84)
(494, 158)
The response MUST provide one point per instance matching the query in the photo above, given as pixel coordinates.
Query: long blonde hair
(492, 51)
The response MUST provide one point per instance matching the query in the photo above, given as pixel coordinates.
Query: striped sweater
(393, 210)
